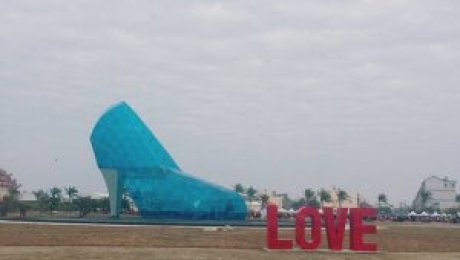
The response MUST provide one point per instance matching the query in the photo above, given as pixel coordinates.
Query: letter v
(335, 229)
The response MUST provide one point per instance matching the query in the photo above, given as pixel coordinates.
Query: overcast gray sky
(281, 95)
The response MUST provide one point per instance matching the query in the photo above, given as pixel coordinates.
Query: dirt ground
(37, 241)
(134, 253)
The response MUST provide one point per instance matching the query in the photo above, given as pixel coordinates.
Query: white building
(274, 198)
(3, 191)
(255, 204)
(350, 202)
(442, 194)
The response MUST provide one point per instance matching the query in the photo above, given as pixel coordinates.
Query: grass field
(39, 241)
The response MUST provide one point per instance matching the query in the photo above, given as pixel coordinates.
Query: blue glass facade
(132, 160)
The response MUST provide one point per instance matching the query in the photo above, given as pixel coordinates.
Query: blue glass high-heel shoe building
(132, 160)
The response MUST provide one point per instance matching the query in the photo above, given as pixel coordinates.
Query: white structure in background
(350, 202)
(274, 198)
(255, 204)
(442, 192)
(99, 195)
(3, 190)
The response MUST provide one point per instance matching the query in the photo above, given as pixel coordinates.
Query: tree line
(55, 199)
(68, 200)
(310, 198)
(52, 200)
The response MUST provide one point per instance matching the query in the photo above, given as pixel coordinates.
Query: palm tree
(43, 200)
(425, 197)
(324, 196)
(251, 192)
(309, 196)
(239, 188)
(55, 198)
(342, 195)
(382, 198)
(264, 198)
(71, 192)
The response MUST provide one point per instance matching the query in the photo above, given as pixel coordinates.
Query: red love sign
(335, 229)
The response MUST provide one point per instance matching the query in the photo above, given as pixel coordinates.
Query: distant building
(255, 204)
(350, 202)
(98, 195)
(275, 198)
(442, 194)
